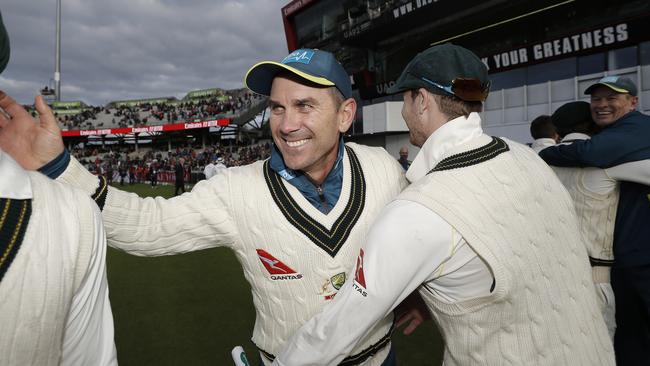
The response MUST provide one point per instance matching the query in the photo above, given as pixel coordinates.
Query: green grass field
(192, 309)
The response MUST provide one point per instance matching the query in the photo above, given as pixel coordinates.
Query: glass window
(508, 79)
(622, 58)
(317, 22)
(554, 70)
(644, 53)
(591, 64)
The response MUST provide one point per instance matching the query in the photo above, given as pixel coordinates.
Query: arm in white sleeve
(404, 248)
(635, 171)
(157, 226)
(88, 336)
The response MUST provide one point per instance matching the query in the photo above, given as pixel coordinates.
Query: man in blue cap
(54, 307)
(486, 233)
(625, 137)
(295, 221)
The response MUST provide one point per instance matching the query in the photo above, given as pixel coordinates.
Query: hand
(413, 311)
(32, 143)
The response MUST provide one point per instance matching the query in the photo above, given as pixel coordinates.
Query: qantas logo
(277, 269)
(359, 284)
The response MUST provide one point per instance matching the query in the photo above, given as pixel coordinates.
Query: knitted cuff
(57, 166)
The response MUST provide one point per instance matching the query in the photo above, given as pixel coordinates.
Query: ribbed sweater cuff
(57, 166)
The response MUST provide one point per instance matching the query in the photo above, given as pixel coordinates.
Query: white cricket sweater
(596, 214)
(54, 306)
(238, 209)
(518, 217)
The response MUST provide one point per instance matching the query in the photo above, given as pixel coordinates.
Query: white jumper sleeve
(157, 226)
(406, 246)
(636, 171)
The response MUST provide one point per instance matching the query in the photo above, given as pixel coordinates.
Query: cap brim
(259, 78)
(590, 89)
(396, 89)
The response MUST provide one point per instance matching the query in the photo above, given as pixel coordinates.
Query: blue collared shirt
(330, 189)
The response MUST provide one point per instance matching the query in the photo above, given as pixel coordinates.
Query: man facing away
(625, 137)
(595, 193)
(485, 232)
(294, 221)
(54, 307)
(543, 132)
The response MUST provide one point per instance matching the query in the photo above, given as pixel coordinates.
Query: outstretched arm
(32, 143)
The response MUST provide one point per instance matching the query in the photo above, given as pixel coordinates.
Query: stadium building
(201, 117)
(540, 54)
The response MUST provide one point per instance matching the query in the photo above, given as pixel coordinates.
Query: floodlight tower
(57, 71)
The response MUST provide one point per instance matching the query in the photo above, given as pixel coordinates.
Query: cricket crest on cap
(302, 55)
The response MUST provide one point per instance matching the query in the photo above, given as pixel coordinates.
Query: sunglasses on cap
(468, 89)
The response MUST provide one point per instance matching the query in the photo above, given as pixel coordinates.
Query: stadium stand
(124, 165)
(197, 105)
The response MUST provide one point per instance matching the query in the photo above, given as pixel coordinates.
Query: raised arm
(140, 226)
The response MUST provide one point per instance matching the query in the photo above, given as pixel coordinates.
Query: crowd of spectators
(122, 164)
(144, 114)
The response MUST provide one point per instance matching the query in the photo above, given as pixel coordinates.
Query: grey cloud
(124, 49)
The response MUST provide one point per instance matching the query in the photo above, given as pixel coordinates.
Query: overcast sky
(128, 49)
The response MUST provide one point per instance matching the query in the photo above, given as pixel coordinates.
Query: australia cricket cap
(317, 66)
(446, 69)
(618, 84)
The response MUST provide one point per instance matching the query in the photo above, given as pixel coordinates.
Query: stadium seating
(195, 106)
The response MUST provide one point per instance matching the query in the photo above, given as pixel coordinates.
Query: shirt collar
(543, 142)
(15, 183)
(450, 135)
(277, 163)
(576, 136)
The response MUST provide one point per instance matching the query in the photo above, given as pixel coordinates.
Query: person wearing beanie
(485, 232)
(595, 193)
(54, 307)
(624, 138)
(295, 221)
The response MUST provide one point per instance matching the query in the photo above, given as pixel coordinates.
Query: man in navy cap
(485, 233)
(295, 221)
(625, 137)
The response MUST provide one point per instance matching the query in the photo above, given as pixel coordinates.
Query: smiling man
(294, 221)
(625, 138)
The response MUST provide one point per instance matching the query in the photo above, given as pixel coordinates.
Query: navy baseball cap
(446, 69)
(317, 66)
(621, 85)
(572, 114)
